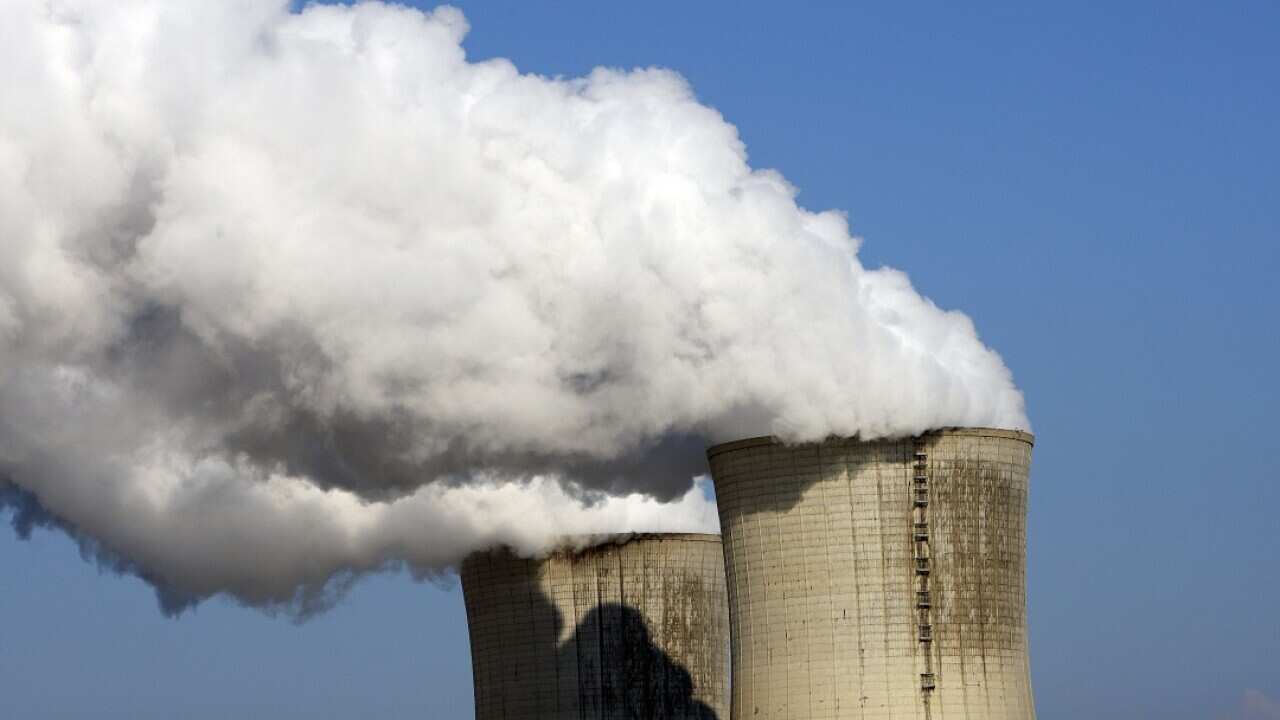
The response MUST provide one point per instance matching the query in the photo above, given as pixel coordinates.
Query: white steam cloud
(291, 296)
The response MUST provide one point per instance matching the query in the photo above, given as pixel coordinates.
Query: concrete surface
(827, 550)
(636, 628)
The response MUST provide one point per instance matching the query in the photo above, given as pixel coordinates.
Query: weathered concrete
(828, 547)
(636, 628)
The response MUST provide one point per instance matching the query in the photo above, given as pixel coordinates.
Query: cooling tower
(877, 579)
(636, 628)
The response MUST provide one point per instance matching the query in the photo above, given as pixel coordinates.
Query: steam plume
(287, 297)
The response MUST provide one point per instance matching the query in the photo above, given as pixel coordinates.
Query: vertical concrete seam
(834, 693)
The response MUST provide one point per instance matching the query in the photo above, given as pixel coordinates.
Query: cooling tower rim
(585, 543)
(624, 538)
(732, 445)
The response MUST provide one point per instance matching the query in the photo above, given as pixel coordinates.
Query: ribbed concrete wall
(635, 629)
(828, 548)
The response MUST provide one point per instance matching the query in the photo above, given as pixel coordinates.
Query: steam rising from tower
(288, 297)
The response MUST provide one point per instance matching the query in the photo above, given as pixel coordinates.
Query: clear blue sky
(1097, 186)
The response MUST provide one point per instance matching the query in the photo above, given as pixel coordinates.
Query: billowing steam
(290, 296)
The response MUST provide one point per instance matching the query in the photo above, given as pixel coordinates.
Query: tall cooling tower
(637, 628)
(878, 579)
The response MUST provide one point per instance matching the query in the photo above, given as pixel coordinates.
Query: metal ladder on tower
(923, 558)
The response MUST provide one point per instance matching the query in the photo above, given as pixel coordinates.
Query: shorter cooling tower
(635, 628)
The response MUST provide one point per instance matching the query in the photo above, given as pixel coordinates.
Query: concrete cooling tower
(636, 628)
(877, 579)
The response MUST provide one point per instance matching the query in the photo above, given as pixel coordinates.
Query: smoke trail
(294, 296)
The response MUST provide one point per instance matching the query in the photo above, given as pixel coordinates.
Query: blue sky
(1094, 185)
